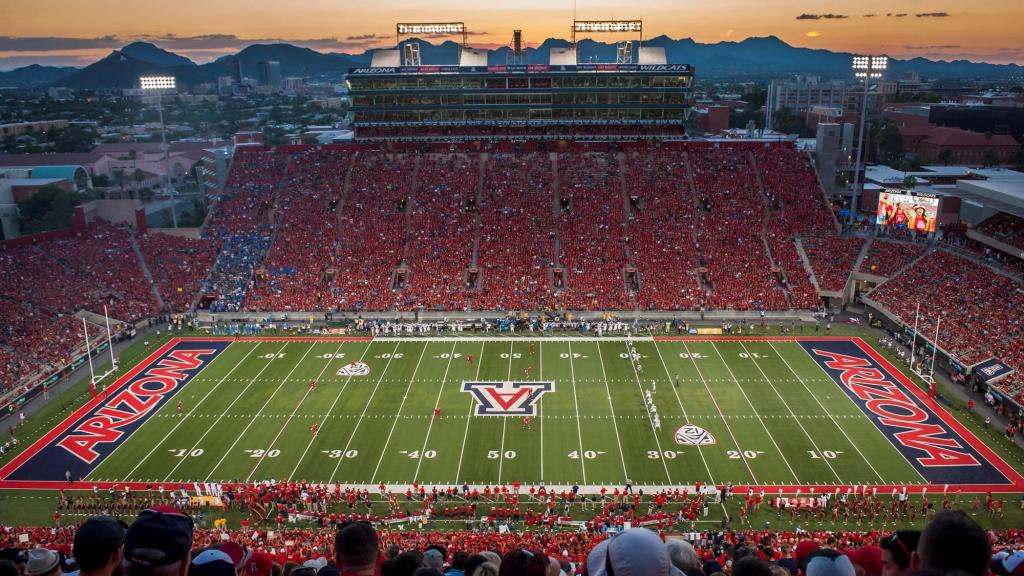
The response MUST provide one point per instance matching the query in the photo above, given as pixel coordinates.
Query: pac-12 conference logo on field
(507, 398)
(354, 369)
(691, 435)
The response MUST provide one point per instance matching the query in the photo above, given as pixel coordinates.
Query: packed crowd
(1005, 228)
(886, 257)
(441, 232)
(832, 258)
(163, 540)
(178, 265)
(982, 311)
(591, 232)
(517, 233)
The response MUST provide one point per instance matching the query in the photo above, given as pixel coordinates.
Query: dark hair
(355, 545)
(900, 544)
(751, 565)
(952, 541)
(472, 561)
(523, 562)
(403, 564)
(459, 560)
(7, 568)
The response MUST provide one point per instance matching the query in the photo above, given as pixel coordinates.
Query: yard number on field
(736, 454)
(588, 454)
(428, 454)
(827, 454)
(340, 453)
(667, 454)
(182, 452)
(261, 453)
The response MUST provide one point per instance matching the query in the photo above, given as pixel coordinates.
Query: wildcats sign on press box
(930, 443)
(82, 441)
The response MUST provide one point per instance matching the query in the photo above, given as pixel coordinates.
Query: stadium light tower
(158, 84)
(866, 68)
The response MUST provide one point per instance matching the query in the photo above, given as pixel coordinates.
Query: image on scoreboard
(901, 209)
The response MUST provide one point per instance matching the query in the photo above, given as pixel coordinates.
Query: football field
(773, 411)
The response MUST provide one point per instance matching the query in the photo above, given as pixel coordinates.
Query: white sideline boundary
(538, 337)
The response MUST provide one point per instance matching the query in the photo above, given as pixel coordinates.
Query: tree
(990, 157)
(119, 177)
(787, 122)
(139, 176)
(890, 144)
(50, 208)
(945, 155)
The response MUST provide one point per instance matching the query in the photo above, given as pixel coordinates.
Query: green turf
(774, 413)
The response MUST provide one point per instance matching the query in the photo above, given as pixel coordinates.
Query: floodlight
(439, 28)
(157, 82)
(608, 26)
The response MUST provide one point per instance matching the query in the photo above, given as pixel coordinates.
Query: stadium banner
(934, 446)
(80, 443)
(522, 69)
(992, 370)
(905, 210)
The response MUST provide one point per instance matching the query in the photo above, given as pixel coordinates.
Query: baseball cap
(869, 558)
(159, 536)
(258, 564)
(432, 558)
(1008, 564)
(96, 539)
(829, 563)
(238, 554)
(212, 563)
(633, 552)
(803, 550)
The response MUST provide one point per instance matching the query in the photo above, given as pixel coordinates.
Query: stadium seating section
(684, 226)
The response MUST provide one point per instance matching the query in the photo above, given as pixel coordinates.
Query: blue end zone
(925, 440)
(92, 437)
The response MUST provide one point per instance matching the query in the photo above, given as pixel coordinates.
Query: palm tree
(119, 177)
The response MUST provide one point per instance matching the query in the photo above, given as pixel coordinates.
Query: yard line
(437, 402)
(210, 427)
(759, 418)
(469, 416)
(647, 411)
(540, 406)
(791, 413)
(504, 420)
(394, 424)
(327, 415)
(294, 410)
(579, 431)
(686, 417)
(189, 413)
(611, 406)
(365, 408)
(812, 395)
(714, 401)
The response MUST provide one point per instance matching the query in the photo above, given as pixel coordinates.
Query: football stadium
(521, 310)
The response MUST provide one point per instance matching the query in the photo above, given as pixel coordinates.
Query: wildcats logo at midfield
(124, 407)
(506, 398)
(929, 443)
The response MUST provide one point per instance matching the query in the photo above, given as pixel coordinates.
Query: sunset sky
(76, 32)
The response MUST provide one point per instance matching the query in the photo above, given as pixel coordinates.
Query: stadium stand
(1005, 228)
(517, 225)
(591, 232)
(441, 233)
(180, 264)
(886, 257)
(832, 258)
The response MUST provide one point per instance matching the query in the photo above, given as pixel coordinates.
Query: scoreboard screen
(902, 209)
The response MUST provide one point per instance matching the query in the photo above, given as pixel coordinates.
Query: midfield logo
(693, 435)
(505, 398)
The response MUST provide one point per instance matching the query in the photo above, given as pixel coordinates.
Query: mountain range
(753, 58)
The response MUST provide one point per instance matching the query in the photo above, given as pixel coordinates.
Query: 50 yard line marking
(394, 424)
(504, 421)
(365, 408)
(437, 402)
(330, 410)
(814, 444)
(225, 411)
(190, 412)
(759, 418)
(675, 391)
(469, 416)
(253, 419)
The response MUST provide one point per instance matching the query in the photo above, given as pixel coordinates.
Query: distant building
(234, 66)
(59, 93)
(225, 85)
(19, 128)
(928, 143)
(805, 92)
(270, 74)
(294, 85)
